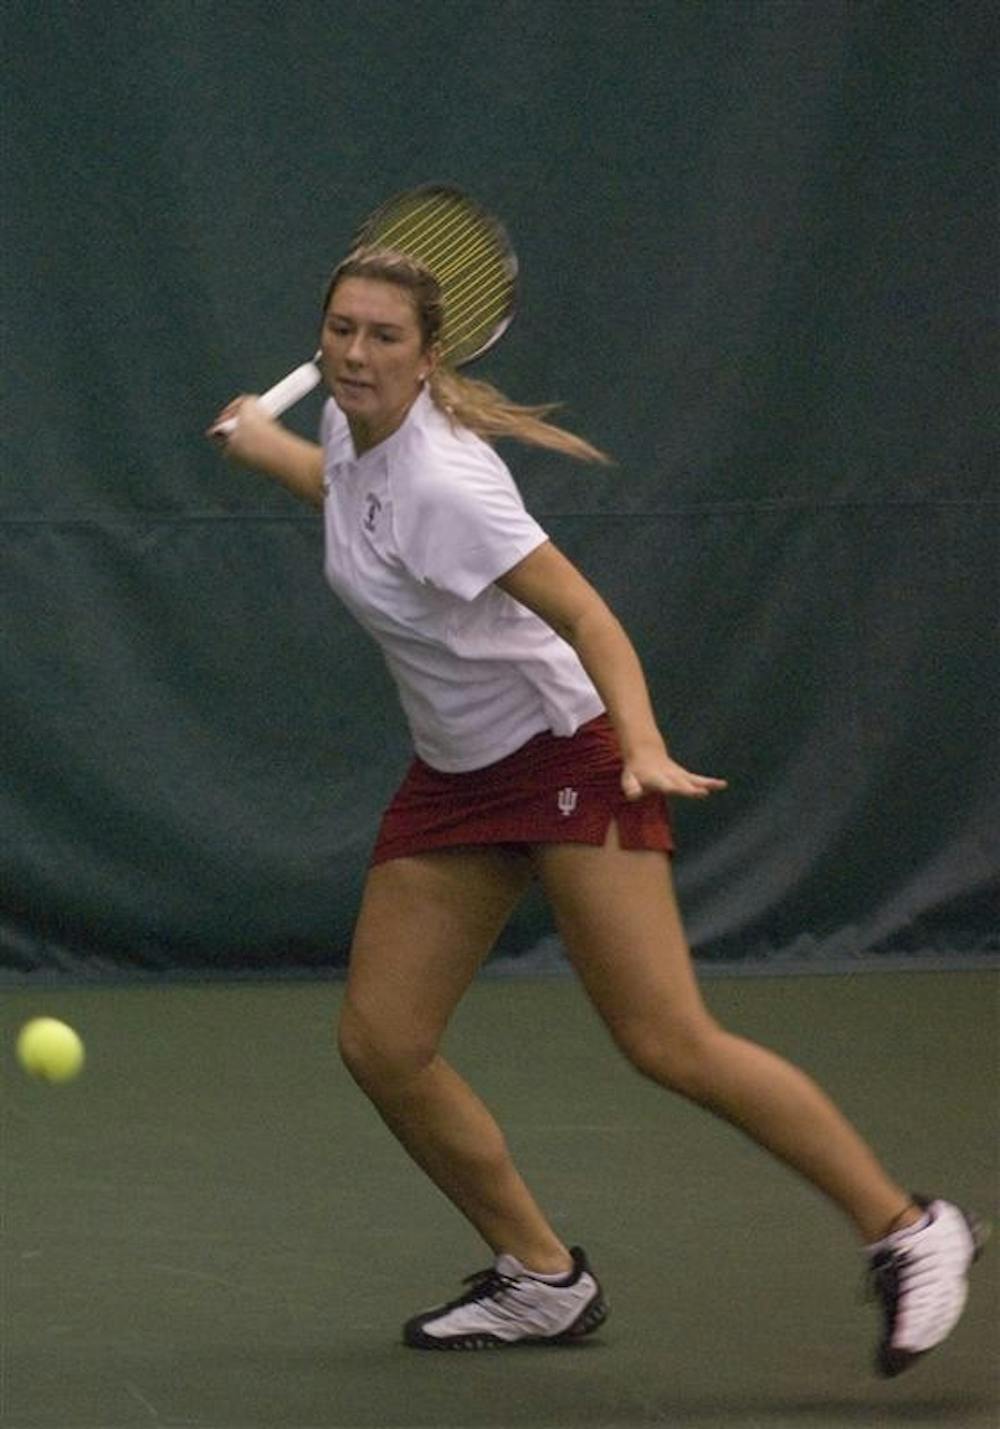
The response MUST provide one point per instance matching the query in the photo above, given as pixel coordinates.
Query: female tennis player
(537, 755)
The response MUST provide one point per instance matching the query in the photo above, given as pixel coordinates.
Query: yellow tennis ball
(50, 1050)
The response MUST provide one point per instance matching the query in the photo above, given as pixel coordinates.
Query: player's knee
(378, 1060)
(679, 1058)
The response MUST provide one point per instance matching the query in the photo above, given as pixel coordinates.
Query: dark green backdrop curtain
(758, 257)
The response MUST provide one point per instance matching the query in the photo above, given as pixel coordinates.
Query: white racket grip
(282, 395)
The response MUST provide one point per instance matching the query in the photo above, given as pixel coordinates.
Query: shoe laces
(489, 1281)
(506, 1294)
(490, 1284)
(905, 1275)
(884, 1276)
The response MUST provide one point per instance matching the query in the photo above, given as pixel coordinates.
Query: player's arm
(258, 441)
(550, 585)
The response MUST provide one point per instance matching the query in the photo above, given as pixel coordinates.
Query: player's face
(373, 358)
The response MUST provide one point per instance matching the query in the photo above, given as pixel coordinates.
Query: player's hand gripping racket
(470, 256)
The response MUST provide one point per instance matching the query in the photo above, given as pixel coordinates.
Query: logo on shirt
(567, 801)
(372, 507)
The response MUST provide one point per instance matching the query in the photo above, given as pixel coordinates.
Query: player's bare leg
(425, 926)
(618, 918)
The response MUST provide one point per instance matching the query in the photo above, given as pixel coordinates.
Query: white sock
(893, 1237)
(512, 1261)
(556, 1279)
(920, 1225)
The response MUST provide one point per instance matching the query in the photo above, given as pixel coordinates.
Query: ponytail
(487, 412)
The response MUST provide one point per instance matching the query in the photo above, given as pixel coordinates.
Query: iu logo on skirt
(567, 800)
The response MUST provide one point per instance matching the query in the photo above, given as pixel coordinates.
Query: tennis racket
(469, 254)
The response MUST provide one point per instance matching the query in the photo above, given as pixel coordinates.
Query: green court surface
(211, 1229)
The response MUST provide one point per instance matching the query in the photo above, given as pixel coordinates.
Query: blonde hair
(477, 405)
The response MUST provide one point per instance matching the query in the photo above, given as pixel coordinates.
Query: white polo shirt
(417, 530)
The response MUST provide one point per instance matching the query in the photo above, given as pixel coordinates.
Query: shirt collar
(415, 417)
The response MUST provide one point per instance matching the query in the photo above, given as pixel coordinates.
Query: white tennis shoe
(507, 1305)
(921, 1278)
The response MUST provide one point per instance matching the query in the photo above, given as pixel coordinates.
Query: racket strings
(472, 324)
(432, 228)
(449, 255)
(412, 214)
(469, 260)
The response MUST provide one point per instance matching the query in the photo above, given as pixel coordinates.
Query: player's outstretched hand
(657, 773)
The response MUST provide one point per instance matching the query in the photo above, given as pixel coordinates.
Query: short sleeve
(462, 523)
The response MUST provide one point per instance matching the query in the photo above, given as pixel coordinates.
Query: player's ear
(429, 361)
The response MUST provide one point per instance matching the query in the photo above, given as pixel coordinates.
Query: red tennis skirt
(553, 789)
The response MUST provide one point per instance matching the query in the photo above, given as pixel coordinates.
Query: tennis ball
(50, 1050)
